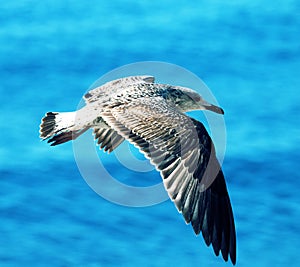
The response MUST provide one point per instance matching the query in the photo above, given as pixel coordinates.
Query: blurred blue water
(247, 52)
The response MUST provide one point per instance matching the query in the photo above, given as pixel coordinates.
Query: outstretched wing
(112, 86)
(183, 152)
(107, 138)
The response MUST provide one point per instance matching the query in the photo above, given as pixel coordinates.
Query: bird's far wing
(183, 152)
(110, 87)
(107, 138)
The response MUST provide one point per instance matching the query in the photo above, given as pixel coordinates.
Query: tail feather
(47, 127)
(58, 128)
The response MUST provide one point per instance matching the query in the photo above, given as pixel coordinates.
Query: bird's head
(187, 99)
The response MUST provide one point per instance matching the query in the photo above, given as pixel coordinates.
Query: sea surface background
(247, 52)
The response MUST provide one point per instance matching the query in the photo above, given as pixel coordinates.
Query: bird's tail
(58, 128)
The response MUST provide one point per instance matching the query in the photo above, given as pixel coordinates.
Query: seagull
(152, 117)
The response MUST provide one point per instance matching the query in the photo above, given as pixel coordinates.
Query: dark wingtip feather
(65, 137)
(60, 138)
(214, 218)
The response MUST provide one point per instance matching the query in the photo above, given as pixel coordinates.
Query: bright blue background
(247, 52)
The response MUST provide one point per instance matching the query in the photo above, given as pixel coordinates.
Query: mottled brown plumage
(151, 116)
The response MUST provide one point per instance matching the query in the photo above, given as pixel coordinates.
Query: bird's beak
(208, 106)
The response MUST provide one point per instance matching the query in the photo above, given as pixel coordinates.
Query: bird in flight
(152, 117)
